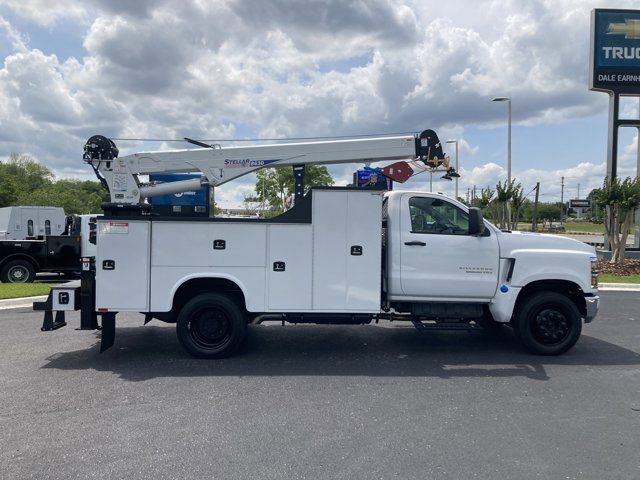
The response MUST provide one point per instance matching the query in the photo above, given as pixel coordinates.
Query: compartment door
(289, 268)
(122, 265)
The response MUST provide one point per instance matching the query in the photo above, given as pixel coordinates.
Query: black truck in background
(21, 260)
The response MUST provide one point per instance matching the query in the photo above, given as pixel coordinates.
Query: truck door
(438, 257)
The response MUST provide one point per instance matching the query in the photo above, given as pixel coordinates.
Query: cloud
(168, 69)
(15, 38)
(45, 12)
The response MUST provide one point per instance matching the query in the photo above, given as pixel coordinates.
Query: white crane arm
(220, 165)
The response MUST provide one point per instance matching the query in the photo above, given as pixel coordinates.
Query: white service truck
(30, 222)
(339, 256)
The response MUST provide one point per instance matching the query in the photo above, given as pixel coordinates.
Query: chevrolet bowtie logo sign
(615, 51)
(629, 28)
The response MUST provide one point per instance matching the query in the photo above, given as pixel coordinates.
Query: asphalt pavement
(320, 402)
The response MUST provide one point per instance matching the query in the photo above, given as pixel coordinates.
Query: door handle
(416, 243)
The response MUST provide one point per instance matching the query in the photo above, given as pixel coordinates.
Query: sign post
(615, 69)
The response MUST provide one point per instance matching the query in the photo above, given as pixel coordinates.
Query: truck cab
(439, 266)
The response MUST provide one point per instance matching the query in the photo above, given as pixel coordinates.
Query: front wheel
(548, 323)
(211, 325)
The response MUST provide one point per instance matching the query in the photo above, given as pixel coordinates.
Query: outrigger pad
(398, 172)
(108, 331)
(50, 324)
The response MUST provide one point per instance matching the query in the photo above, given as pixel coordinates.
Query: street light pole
(508, 100)
(457, 169)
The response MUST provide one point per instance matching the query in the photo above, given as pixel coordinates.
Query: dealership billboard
(580, 203)
(615, 51)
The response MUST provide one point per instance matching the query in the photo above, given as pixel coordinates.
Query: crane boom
(219, 164)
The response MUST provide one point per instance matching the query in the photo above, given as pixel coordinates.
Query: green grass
(585, 227)
(17, 290)
(604, 278)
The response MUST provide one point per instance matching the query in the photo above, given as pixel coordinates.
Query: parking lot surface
(320, 402)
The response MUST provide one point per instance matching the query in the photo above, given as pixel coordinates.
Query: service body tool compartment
(347, 250)
(185, 250)
(289, 268)
(122, 265)
(66, 297)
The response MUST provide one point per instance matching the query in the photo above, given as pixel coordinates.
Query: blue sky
(241, 69)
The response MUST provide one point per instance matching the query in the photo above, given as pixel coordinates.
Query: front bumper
(592, 302)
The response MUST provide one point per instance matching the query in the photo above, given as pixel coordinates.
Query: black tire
(18, 271)
(211, 325)
(548, 323)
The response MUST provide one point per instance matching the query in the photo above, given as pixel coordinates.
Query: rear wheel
(211, 325)
(548, 323)
(18, 271)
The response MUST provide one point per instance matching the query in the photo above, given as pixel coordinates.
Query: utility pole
(579, 209)
(473, 202)
(562, 201)
(534, 219)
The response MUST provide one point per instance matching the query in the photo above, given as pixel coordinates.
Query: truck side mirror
(476, 222)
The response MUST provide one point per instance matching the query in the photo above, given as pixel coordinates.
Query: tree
(8, 189)
(517, 201)
(597, 213)
(500, 207)
(549, 212)
(486, 195)
(619, 201)
(27, 182)
(20, 174)
(526, 211)
(74, 196)
(276, 185)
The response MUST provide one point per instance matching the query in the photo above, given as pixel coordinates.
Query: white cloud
(207, 69)
(45, 12)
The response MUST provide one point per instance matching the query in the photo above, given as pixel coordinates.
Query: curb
(21, 302)
(619, 287)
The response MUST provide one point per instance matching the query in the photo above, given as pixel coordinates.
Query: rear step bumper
(73, 296)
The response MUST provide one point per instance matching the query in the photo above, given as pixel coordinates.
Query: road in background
(320, 402)
(594, 239)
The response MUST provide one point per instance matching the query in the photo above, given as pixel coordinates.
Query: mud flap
(108, 331)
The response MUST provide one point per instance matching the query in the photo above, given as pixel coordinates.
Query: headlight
(594, 272)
